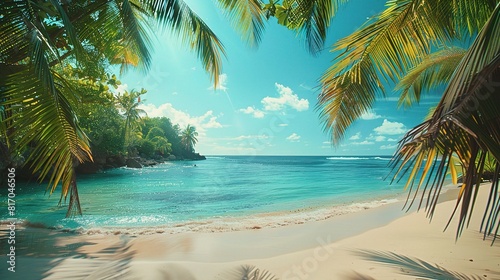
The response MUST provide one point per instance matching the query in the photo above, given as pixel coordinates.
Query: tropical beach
(249, 139)
(379, 243)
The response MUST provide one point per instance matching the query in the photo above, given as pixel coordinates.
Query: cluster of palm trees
(411, 44)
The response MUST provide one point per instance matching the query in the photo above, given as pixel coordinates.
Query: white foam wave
(347, 158)
(258, 221)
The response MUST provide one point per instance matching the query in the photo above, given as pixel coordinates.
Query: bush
(147, 148)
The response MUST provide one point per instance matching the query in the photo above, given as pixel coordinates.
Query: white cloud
(388, 147)
(121, 88)
(202, 123)
(286, 98)
(246, 137)
(370, 115)
(293, 137)
(390, 128)
(357, 136)
(256, 113)
(363, 143)
(376, 138)
(222, 83)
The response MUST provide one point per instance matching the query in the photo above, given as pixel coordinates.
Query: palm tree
(188, 138)
(128, 103)
(38, 38)
(411, 44)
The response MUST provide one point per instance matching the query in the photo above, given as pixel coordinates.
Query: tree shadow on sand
(246, 272)
(49, 254)
(415, 267)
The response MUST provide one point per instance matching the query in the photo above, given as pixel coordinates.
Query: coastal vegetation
(51, 48)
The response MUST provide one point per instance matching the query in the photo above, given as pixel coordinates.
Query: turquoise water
(222, 191)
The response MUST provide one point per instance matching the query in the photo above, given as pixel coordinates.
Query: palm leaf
(247, 16)
(47, 122)
(193, 31)
(248, 272)
(382, 52)
(434, 70)
(415, 267)
(467, 123)
(317, 19)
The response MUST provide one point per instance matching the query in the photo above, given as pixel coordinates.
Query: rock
(172, 157)
(132, 163)
(88, 167)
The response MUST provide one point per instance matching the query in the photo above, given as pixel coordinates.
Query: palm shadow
(247, 272)
(51, 254)
(414, 266)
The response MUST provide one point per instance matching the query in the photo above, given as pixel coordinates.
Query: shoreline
(343, 247)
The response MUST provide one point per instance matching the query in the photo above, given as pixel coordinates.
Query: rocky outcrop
(133, 163)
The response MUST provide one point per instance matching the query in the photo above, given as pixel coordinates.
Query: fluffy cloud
(370, 115)
(202, 123)
(256, 113)
(390, 128)
(357, 136)
(222, 83)
(293, 137)
(246, 137)
(286, 98)
(363, 143)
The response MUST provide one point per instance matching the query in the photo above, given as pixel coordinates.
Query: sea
(221, 193)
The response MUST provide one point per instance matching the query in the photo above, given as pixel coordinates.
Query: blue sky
(265, 104)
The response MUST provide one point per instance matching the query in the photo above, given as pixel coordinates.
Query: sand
(378, 243)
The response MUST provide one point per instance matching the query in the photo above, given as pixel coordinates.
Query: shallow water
(220, 193)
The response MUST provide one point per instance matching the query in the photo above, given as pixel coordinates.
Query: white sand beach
(378, 243)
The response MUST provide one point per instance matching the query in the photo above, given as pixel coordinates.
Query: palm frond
(415, 267)
(249, 272)
(381, 52)
(48, 125)
(193, 31)
(434, 70)
(318, 16)
(466, 123)
(247, 16)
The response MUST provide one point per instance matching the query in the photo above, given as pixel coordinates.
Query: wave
(347, 158)
(359, 158)
(227, 224)
(213, 157)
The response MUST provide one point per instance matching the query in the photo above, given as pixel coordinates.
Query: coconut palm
(38, 38)
(128, 103)
(188, 138)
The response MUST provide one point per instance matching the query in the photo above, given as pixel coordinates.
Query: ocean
(221, 193)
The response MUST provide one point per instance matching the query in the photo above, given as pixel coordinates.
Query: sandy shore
(379, 243)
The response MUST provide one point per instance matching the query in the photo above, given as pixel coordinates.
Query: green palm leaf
(247, 16)
(47, 122)
(434, 70)
(192, 30)
(467, 123)
(383, 51)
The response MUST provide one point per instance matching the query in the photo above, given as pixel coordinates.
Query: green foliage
(155, 132)
(171, 132)
(162, 146)
(128, 103)
(39, 39)
(146, 148)
(188, 138)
